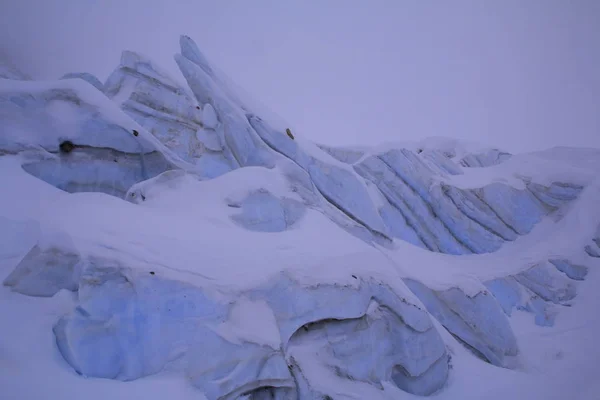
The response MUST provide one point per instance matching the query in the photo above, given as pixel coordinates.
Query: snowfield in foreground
(158, 240)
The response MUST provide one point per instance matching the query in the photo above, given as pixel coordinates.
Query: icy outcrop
(573, 271)
(43, 115)
(512, 295)
(337, 185)
(485, 159)
(43, 272)
(547, 282)
(458, 221)
(519, 209)
(131, 323)
(369, 348)
(439, 162)
(72, 144)
(462, 153)
(89, 78)
(404, 192)
(166, 110)
(143, 306)
(90, 170)
(556, 195)
(538, 289)
(445, 154)
(345, 155)
(423, 206)
(593, 249)
(410, 205)
(478, 321)
(444, 216)
(236, 133)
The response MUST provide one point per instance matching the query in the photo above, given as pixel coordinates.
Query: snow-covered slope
(180, 233)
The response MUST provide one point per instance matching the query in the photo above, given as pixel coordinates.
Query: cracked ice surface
(129, 323)
(170, 113)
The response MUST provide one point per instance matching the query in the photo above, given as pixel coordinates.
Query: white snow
(251, 321)
(209, 116)
(211, 288)
(185, 211)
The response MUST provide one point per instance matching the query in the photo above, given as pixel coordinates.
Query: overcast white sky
(520, 74)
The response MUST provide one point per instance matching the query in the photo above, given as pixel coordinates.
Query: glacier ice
(243, 145)
(213, 132)
(512, 295)
(345, 155)
(89, 78)
(131, 323)
(146, 138)
(555, 195)
(38, 115)
(166, 110)
(43, 272)
(538, 289)
(518, 209)
(379, 346)
(103, 171)
(104, 155)
(547, 282)
(485, 159)
(343, 190)
(593, 249)
(262, 211)
(478, 321)
(418, 214)
(338, 186)
(573, 271)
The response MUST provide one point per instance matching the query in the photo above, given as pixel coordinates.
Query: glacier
(181, 231)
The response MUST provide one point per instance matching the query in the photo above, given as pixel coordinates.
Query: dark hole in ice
(354, 276)
(67, 146)
(151, 272)
(197, 107)
(135, 133)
